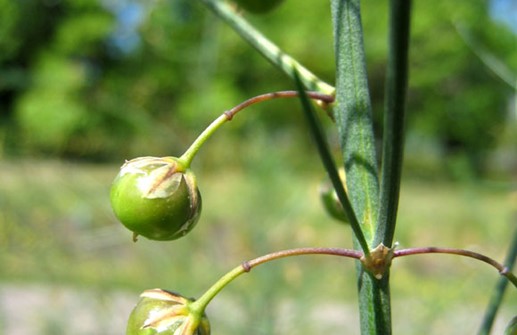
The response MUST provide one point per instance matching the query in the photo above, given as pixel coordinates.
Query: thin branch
(325, 98)
(503, 270)
(350, 253)
(200, 304)
(186, 159)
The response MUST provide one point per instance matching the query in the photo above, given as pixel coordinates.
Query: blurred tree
(70, 86)
(20, 39)
(453, 96)
(49, 65)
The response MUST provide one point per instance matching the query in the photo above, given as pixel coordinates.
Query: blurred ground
(69, 267)
(55, 310)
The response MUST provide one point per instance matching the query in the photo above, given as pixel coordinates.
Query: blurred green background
(85, 84)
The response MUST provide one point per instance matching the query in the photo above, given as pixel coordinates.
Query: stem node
(246, 266)
(229, 115)
(378, 261)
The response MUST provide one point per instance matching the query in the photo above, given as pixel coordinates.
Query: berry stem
(200, 304)
(186, 159)
(188, 156)
(198, 307)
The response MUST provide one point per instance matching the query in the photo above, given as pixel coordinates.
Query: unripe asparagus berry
(156, 197)
(165, 313)
(330, 199)
(511, 329)
(258, 6)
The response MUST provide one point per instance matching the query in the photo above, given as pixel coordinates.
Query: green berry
(511, 329)
(165, 313)
(258, 6)
(330, 200)
(156, 197)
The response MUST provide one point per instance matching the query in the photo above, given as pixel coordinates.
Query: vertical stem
(394, 117)
(353, 115)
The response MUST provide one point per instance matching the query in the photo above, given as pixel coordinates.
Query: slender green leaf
(352, 111)
(328, 163)
(500, 288)
(394, 119)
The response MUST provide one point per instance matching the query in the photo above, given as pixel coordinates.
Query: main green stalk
(353, 115)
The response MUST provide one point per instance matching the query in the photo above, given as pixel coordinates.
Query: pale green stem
(188, 156)
(200, 304)
(267, 48)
